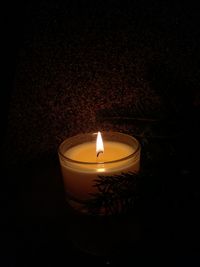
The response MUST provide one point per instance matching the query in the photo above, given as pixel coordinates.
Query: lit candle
(85, 157)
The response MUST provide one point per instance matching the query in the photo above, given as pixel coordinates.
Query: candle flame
(99, 144)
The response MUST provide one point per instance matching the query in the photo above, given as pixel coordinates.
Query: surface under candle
(84, 167)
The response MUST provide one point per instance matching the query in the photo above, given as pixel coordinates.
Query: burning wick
(99, 153)
(99, 144)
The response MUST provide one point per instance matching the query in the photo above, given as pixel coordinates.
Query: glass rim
(101, 162)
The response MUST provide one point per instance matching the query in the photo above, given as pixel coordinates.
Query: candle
(85, 157)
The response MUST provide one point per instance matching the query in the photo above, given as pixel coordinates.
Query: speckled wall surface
(79, 64)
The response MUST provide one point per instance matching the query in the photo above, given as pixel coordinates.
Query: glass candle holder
(87, 176)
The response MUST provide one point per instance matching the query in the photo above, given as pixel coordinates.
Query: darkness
(79, 66)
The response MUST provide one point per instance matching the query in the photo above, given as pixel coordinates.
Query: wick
(99, 153)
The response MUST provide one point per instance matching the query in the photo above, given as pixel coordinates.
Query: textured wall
(77, 66)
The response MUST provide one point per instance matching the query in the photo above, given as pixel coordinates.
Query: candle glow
(81, 166)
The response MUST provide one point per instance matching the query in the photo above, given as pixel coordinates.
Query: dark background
(72, 67)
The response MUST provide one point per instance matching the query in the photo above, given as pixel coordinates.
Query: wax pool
(86, 152)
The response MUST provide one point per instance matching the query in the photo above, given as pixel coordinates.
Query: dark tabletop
(79, 67)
